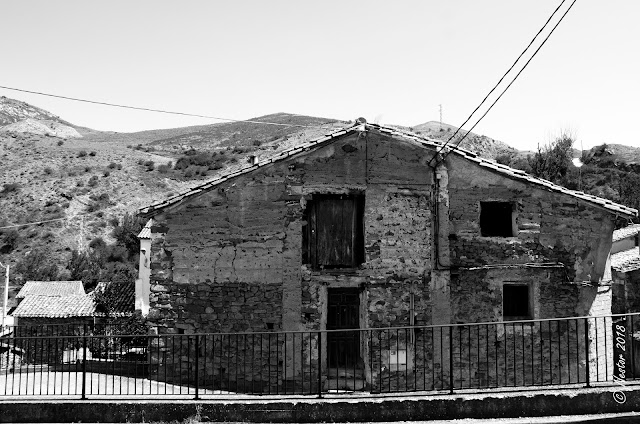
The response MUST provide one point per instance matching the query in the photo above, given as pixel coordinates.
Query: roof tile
(628, 231)
(427, 142)
(51, 289)
(626, 261)
(38, 306)
(122, 299)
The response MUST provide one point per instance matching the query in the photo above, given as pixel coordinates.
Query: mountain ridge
(93, 180)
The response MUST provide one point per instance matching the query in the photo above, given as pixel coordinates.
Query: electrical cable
(157, 110)
(38, 222)
(512, 81)
(502, 78)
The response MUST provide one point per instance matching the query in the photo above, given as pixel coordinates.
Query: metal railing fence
(82, 360)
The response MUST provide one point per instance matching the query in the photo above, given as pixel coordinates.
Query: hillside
(92, 178)
(14, 111)
(480, 144)
(21, 117)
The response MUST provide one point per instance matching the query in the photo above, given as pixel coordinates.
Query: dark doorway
(343, 312)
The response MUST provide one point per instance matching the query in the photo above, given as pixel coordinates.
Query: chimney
(253, 160)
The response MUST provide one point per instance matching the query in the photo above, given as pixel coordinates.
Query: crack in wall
(233, 265)
(215, 267)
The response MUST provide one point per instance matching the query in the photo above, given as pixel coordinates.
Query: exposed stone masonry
(230, 260)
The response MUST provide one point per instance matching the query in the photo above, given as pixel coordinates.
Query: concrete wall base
(336, 409)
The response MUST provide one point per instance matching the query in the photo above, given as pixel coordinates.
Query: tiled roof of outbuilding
(628, 231)
(504, 170)
(51, 288)
(626, 261)
(37, 306)
(123, 301)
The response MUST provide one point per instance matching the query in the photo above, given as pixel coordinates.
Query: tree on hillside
(553, 161)
(37, 265)
(629, 190)
(126, 233)
(85, 267)
(102, 262)
(116, 263)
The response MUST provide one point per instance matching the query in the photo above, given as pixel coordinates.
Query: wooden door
(343, 312)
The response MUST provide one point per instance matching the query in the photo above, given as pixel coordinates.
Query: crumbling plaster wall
(217, 257)
(231, 259)
(550, 228)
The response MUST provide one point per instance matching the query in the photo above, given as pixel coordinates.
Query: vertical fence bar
(84, 363)
(632, 354)
(569, 349)
(578, 349)
(451, 359)
(319, 364)
(559, 351)
(586, 350)
(197, 373)
(606, 351)
(524, 374)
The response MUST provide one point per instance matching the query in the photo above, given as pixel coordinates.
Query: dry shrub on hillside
(9, 188)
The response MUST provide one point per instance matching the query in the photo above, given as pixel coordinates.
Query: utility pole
(5, 296)
(441, 115)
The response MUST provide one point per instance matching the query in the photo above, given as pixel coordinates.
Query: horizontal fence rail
(88, 360)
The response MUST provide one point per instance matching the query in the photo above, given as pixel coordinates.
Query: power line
(515, 78)
(503, 77)
(37, 222)
(156, 110)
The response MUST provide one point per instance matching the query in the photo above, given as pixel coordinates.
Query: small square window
(496, 219)
(515, 302)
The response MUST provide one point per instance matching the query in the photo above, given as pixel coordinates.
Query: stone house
(373, 227)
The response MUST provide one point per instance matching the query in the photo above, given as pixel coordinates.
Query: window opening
(515, 302)
(334, 235)
(496, 219)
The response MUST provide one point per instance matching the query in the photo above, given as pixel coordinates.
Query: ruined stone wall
(551, 228)
(231, 260)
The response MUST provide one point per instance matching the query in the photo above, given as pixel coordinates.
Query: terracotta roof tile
(628, 231)
(50, 288)
(145, 233)
(626, 261)
(37, 306)
(123, 301)
(427, 142)
(67, 303)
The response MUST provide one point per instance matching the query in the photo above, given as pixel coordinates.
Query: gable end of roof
(503, 170)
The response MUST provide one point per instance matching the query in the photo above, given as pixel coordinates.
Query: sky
(389, 62)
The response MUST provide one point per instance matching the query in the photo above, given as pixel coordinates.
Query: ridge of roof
(516, 174)
(512, 173)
